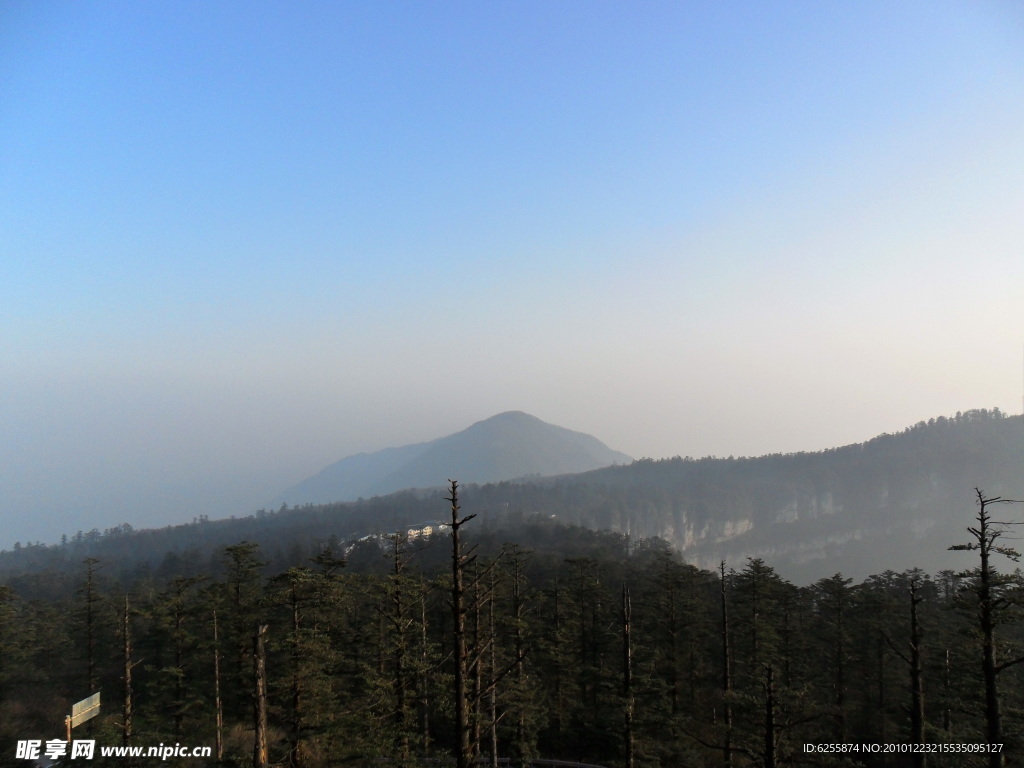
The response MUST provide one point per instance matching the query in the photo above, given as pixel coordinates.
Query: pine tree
(243, 593)
(913, 660)
(835, 598)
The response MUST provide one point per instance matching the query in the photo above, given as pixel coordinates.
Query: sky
(240, 241)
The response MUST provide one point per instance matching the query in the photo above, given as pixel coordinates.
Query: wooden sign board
(86, 709)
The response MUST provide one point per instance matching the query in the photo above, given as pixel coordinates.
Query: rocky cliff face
(895, 502)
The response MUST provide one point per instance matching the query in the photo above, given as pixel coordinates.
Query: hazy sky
(239, 241)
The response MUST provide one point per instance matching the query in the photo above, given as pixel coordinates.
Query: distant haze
(237, 244)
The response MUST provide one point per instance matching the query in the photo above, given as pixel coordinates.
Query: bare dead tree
(466, 750)
(989, 587)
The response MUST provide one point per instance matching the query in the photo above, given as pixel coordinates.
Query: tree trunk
(947, 707)
(217, 703)
(90, 622)
(726, 675)
(993, 720)
(477, 665)
(627, 675)
(769, 718)
(520, 752)
(916, 680)
(126, 723)
(424, 693)
(399, 682)
(493, 694)
(465, 753)
(295, 739)
(259, 655)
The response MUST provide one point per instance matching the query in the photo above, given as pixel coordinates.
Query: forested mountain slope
(894, 502)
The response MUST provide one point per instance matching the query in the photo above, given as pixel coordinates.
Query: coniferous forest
(535, 384)
(466, 644)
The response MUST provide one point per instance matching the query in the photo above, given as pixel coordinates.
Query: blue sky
(240, 241)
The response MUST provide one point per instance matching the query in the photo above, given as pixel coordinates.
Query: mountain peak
(507, 446)
(511, 416)
(509, 420)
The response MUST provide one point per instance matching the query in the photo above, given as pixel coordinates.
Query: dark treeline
(559, 643)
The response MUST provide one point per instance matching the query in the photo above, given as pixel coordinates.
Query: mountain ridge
(897, 501)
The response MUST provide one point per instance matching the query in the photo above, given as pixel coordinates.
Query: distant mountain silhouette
(508, 446)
